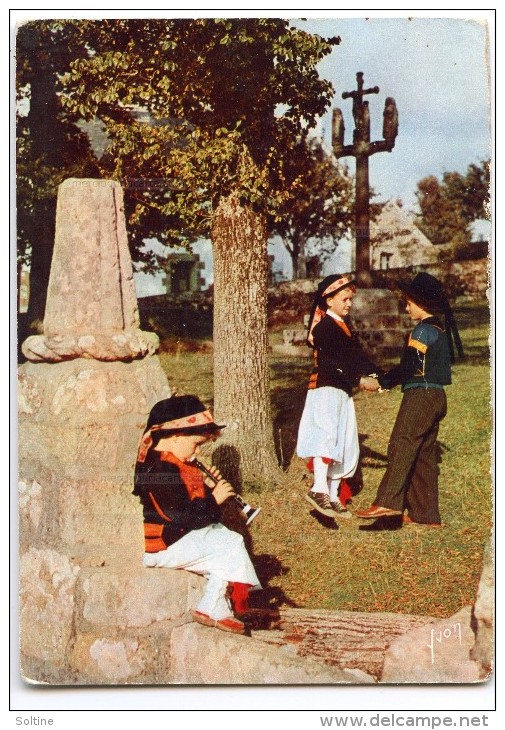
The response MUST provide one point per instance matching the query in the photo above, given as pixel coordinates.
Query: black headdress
(426, 291)
(328, 286)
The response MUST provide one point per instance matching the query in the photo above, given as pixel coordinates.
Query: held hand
(369, 384)
(212, 482)
(222, 491)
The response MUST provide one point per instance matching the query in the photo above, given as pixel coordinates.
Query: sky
(437, 70)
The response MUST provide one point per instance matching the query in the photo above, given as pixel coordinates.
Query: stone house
(396, 242)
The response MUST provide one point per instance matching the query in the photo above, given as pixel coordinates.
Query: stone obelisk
(84, 396)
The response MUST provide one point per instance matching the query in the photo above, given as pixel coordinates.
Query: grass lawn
(317, 563)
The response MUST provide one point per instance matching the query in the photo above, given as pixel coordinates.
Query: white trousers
(215, 552)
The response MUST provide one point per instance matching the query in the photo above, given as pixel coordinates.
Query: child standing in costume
(411, 479)
(182, 512)
(328, 433)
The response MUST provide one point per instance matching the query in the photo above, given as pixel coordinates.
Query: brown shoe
(230, 623)
(340, 510)
(321, 502)
(370, 513)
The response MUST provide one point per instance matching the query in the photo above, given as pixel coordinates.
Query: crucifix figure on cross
(362, 148)
(360, 109)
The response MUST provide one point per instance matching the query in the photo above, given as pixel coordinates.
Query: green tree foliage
(225, 99)
(201, 116)
(449, 207)
(320, 213)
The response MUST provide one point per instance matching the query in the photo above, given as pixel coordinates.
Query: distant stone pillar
(84, 398)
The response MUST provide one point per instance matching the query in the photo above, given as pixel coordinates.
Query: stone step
(207, 656)
(135, 597)
(133, 626)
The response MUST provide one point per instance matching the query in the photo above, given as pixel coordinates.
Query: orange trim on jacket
(153, 542)
(190, 475)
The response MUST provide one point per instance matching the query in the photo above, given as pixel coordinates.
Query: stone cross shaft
(362, 148)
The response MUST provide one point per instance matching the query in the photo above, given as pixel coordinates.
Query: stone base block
(377, 301)
(46, 606)
(80, 423)
(108, 659)
(434, 654)
(377, 322)
(202, 655)
(134, 597)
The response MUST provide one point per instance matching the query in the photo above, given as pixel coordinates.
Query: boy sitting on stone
(182, 511)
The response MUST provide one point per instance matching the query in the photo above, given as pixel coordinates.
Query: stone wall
(469, 278)
(131, 625)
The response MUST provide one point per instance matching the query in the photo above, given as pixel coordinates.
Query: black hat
(332, 284)
(182, 413)
(177, 415)
(427, 292)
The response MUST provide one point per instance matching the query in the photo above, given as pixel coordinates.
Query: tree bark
(245, 452)
(48, 141)
(296, 250)
(347, 639)
(301, 267)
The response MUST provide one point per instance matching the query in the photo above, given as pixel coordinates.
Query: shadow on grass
(370, 457)
(289, 380)
(327, 522)
(267, 567)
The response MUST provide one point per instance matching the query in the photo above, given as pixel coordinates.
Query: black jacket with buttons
(339, 359)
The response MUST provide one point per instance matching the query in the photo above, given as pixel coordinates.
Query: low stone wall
(190, 315)
(469, 279)
(124, 624)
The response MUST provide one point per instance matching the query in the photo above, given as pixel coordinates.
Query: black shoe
(321, 502)
(383, 524)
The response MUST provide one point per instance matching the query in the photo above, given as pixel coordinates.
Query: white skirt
(328, 428)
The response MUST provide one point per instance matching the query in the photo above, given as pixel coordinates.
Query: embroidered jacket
(425, 360)
(174, 498)
(339, 359)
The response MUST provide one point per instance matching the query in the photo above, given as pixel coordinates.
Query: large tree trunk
(246, 451)
(48, 140)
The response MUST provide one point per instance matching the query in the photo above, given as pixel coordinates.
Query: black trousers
(411, 478)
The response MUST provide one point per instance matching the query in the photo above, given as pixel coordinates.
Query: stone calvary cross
(361, 149)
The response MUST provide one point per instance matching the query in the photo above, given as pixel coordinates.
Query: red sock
(344, 492)
(310, 462)
(239, 596)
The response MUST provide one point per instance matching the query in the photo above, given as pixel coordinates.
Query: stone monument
(84, 396)
(376, 313)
